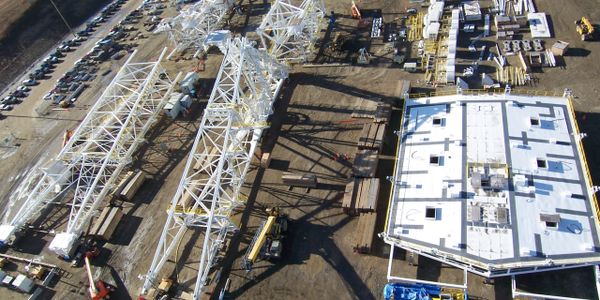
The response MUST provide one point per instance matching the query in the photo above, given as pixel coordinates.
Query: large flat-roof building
(495, 184)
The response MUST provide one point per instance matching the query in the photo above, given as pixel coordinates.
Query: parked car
(9, 100)
(79, 39)
(24, 88)
(35, 76)
(64, 48)
(48, 96)
(20, 94)
(5, 107)
(29, 82)
(57, 53)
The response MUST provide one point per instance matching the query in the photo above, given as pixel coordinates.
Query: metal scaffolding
(89, 164)
(236, 114)
(288, 32)
(191, 27)
(247, 84)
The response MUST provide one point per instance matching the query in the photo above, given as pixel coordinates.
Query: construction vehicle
(585, 28)
(268, 241)
(99, 289)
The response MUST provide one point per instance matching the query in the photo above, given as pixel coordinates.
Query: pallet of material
(365, 163)
(361, 196)
(301, 180)
(365, 232)
(367, 194)
(349, 200)
(371, 136)
(107, 223)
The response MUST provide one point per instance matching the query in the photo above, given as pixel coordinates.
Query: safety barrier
(583, 157)
(476, 92)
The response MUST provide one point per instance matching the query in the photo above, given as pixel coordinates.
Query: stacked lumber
(205, 158)
(371, 136)
(123, 183)
(265, 160)
(133, 186)
(361, 195)
(367, 194)
(107, 223)
(365, 232)
(302, 180)
(365, 163)
(349, 200)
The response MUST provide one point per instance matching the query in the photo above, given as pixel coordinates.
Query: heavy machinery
(585, 28)
(99, 289)
(268, 241)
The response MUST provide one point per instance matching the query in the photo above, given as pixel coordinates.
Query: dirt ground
(10, 11)
(310, 124)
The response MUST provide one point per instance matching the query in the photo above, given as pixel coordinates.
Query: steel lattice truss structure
(288, 31)
(91, 161)
(189, 29)
(240, 103)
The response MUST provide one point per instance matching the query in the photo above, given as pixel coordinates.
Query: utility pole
(63, 18)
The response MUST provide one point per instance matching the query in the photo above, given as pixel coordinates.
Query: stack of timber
(361, 195)
(371, 136)
(302, 180)
(365, 163)
(365, 233)
(123, 183)
(107, 223)
(349, 200)
(133, 186)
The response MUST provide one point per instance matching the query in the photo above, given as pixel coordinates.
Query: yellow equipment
(267, 243)
(585, 29)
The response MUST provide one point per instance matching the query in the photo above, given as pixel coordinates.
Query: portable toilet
(173, 106)
(188, 84)
(23, 284)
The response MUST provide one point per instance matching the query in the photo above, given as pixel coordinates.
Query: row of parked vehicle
(70, 81)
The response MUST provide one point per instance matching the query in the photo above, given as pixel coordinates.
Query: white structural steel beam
(288, 31)
(190, 28)
(89, 164)
(236, 114)
(246, 86)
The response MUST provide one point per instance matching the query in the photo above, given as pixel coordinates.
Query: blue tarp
(401, 291)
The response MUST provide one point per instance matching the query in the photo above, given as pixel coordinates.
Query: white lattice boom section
(87, 167)
(241, 101)
(189, 29)
(288, 31)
